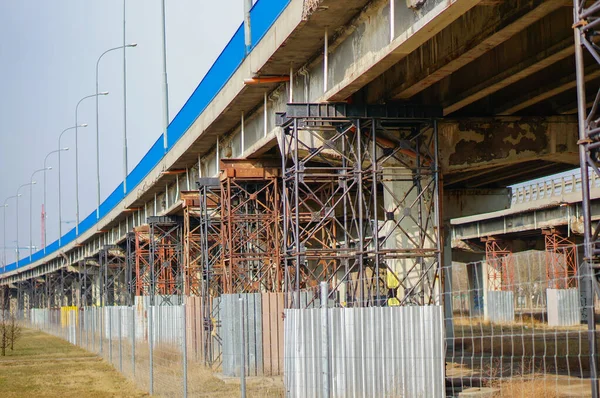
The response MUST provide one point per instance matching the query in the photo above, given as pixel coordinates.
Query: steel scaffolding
(211, 249)
(500, 265)
(586, 15)
(192, 251)
(114, 276)
(361, 203)
(561, 261)
(250, 227)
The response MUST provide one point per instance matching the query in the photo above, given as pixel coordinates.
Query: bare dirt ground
(42, 365)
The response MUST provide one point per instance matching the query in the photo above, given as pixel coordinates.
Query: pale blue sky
(48, 54)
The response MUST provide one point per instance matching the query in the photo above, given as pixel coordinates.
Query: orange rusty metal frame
(250, 228)
(142, 260)
(500, 265)
(192, 247)
(166, 243)
(561, 261)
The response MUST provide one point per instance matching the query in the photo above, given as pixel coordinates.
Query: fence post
(184, 347)
(110, 336)
(133, 339)
(151, 345)
(242, 351)
(120, 320)
(325, 338)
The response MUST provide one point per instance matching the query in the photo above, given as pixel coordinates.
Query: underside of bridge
(347, 170)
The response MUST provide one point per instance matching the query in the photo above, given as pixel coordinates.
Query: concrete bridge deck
(502, 71)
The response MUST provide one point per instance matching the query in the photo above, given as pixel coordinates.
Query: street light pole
(77, 160)
(4, 206)
(165, 84)
(31, 207)
(124, 46)
(59, 185)
(44, 202)
(18, 195)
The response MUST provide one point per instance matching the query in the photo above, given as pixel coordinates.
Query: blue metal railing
(263, 14)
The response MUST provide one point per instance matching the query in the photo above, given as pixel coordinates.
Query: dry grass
(542, 388)
(202, 382)
(46, 366)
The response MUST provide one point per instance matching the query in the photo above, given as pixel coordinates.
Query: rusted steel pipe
(264, 80)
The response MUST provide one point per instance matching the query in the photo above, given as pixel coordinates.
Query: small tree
(14, 332)
(4, 340)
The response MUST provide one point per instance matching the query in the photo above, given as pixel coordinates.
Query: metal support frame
(586, 16)
(561, 261)
(192, 246)
(361, 203)
(114, 275)
(250, 227)
(500, 265)
(211, 249)
(166, 245)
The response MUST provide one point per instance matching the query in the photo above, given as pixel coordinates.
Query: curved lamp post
(59, 185)
(124, 126)
(77, 159)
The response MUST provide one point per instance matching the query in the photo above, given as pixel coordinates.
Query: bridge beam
(474, 151)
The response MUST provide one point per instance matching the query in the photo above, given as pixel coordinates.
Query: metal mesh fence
(516, 325)
(512, 325)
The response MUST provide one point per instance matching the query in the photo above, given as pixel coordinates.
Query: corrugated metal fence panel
(501, 306)
(230, 333)
(563, 307)
(373, 352)
(272, 333)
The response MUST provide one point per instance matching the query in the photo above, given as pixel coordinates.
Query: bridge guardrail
(551, 187)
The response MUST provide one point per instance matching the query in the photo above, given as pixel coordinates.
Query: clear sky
(48, 55)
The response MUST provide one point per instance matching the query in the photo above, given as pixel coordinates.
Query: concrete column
(398, 197)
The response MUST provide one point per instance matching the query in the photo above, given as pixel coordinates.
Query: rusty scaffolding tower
(114, 276)
(192, 251)
(250, 227)
(500, 265)
(586, 23)
(561, 260)
(159, 259)
(211, 249)
(361, 203)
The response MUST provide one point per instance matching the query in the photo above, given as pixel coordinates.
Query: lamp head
(83, 125)
(65, 148)
(131, 45)
(33, 182)
(103, 93)
(49, 168)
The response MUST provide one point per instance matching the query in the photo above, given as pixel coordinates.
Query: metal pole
(59, 199)
(165, 84)
(4, 206)
(587, 278)
(31, 210)
(242, 351)
(184, 349)
(124, 105)
(77, 153)
(59, 150)
(325, 338)
(247, 26)
(119, 321)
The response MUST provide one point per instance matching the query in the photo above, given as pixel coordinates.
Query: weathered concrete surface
(368, 51)
(479, 143)
(473, 34)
